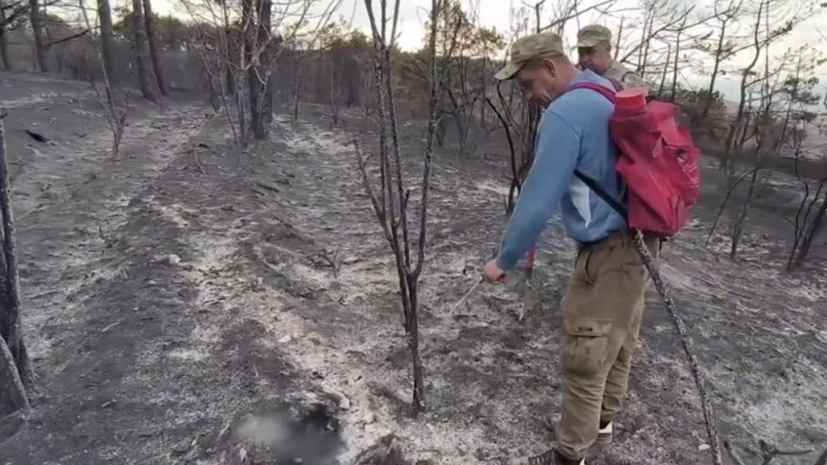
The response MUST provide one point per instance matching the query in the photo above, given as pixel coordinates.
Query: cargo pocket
(586, 345)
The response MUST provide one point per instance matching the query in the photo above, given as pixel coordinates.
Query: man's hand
(493, 273)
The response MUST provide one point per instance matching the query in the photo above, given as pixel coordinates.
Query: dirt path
(115, 280)
(184, 309)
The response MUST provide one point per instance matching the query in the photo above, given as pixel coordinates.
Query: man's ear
(550, 66)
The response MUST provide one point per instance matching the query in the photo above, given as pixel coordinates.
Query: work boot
(604, 434)
(549, 457)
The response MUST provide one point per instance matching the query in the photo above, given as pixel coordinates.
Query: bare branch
(732, 454)
(71, 37)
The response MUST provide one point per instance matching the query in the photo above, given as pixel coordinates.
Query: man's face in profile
(597, 58)
(539, 82)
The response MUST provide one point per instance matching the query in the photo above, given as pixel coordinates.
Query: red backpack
(658, 161)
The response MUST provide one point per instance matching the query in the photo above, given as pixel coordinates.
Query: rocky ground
(184, 307)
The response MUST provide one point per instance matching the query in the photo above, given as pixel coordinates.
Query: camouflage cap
(533, 47)
(593, 34)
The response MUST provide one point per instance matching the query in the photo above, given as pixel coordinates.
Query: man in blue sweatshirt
(603, 306)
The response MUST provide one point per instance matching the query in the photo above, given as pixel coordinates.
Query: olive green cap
(533, 47)
(593, 34)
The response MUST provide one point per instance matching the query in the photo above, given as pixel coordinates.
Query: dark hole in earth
(313, 437)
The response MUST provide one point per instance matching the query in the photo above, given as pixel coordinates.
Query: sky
(498, 14)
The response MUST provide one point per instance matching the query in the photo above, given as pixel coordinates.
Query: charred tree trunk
(642, 41)
(645, 59)
(674, 90)
(259, 50)
(413, 345)
(255, 89)
(442, 120)
(12, 391)
(730, 144)
(744, 132)
(391, 202)
(40, 44)
(333, 97)
(142, 63)
(154, 48)
(618, 39)
(483, 104)
(662, 85)
(673, 94)
(230, 81)
(715, 68)
(816, 227)
(297, 90)
(4, 41)
(242, 111)
(254, 86)
(738, 227)
(10, 327)
(107, 40)
(266, 59)
(226, 48)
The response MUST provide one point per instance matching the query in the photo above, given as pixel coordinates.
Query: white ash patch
(492, 187)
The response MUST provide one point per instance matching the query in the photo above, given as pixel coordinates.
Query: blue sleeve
(549, 178)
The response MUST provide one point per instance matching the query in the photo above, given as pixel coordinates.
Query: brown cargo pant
(602, 312)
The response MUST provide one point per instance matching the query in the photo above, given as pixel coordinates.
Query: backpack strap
(593, 185)
(595, 87)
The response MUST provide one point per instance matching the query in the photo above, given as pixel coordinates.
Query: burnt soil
(182, 305)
